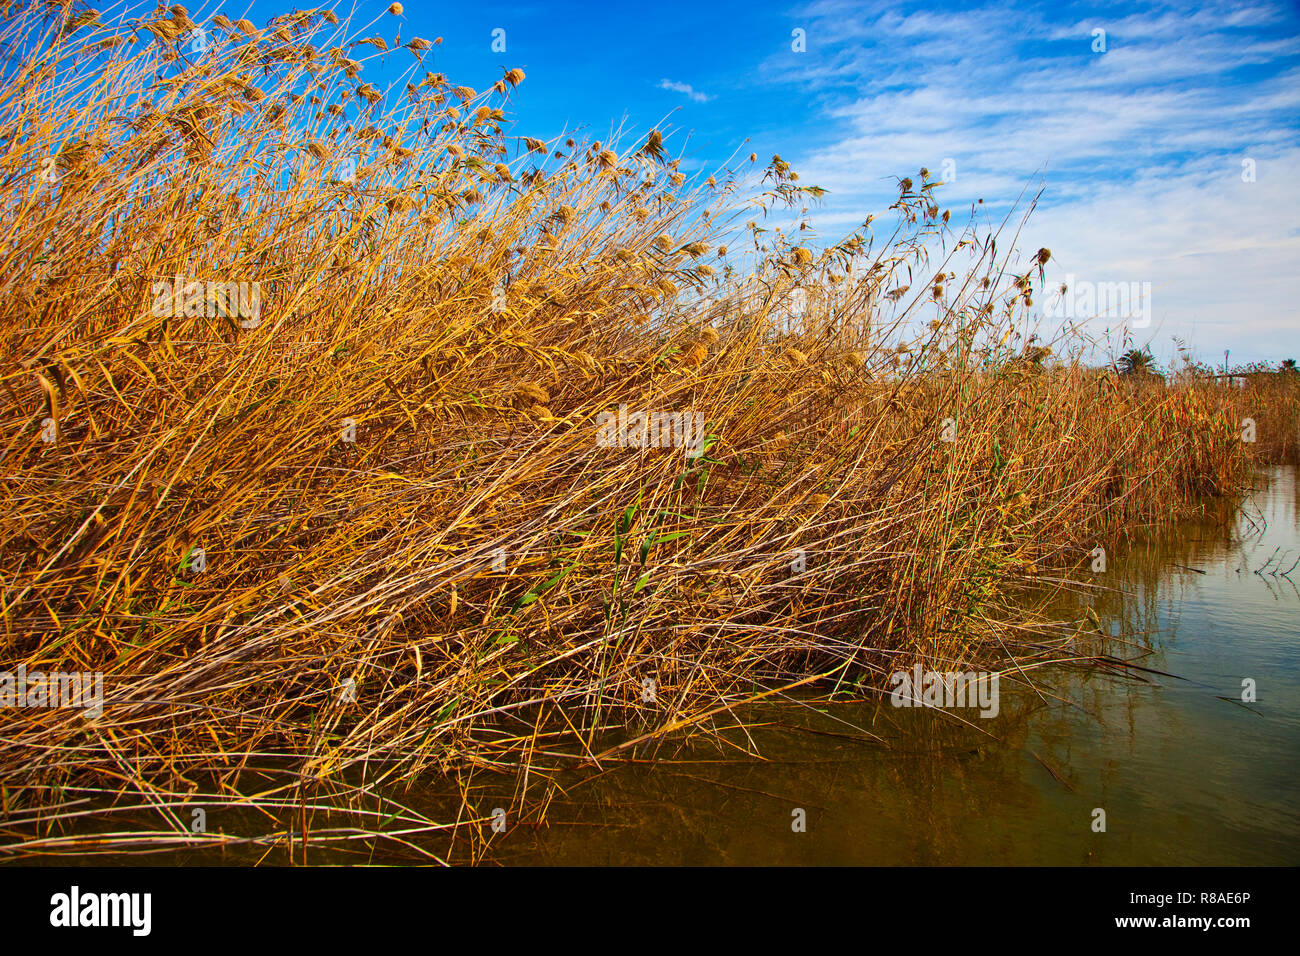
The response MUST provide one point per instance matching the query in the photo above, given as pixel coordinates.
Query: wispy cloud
(686, 88)
(1139, 149)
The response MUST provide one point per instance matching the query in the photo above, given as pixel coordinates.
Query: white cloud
(686, 88)
(1138, 150)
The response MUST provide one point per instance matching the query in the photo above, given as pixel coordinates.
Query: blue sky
(1139, 148)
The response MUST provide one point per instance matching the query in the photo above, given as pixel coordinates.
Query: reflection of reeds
(373, 560)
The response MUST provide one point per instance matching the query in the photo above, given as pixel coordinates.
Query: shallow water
(1183, 775)
(1185, 771)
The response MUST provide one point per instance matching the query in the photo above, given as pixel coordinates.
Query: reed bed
(362, 529)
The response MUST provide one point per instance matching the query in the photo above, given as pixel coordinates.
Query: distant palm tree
(1137, 362)
(1288, 365)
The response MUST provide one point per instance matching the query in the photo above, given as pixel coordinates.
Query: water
(1185, 771)
(1184, 776)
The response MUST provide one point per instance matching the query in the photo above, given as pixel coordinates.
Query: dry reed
(416, 557)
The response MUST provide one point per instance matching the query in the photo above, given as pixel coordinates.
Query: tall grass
(474, 582)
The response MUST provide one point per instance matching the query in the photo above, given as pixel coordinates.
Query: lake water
(1185, 771)
(1184, 776)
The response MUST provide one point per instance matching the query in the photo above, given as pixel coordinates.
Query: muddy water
(1185, 771)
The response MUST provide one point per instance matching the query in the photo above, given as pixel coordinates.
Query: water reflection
(1186, 772)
